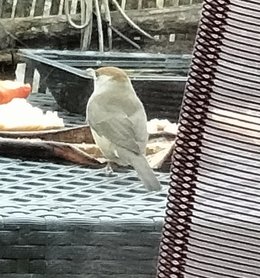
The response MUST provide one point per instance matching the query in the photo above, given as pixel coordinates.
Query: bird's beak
(91, 73)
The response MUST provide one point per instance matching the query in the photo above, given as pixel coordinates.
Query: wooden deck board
(32, 8)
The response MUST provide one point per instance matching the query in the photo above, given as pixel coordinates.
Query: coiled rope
(87, 10)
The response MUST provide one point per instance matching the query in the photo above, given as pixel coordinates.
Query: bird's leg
(108, 169)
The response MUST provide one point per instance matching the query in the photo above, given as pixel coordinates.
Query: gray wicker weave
(63, 220)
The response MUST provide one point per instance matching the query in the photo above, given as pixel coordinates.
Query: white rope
(86, 33)
(67, 12)
(100, 28)
(86, 22)
(107, 16)
(129, 20)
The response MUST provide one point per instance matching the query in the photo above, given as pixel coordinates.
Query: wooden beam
(181, 19)
(8, 56)
(161, 21)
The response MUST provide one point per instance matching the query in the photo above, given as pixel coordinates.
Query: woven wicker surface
(65, 220)
(43, 189)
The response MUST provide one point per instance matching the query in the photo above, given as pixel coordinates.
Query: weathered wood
(7, 56)
(160, 4)
(75, 135)
(140, 4)
(158, 21)
(33, 28)
(161, 21)
(38, 149)
(158, 151)
(86, 33)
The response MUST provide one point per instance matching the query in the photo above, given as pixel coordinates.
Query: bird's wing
(118, 130)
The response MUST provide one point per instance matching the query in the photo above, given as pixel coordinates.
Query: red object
(13, 89)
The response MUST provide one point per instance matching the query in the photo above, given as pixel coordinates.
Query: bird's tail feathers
(145, 173)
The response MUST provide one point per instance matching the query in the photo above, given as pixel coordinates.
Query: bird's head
(110, 78)
(108, 75)
(112, 73)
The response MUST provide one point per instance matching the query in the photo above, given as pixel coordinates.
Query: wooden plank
(181, 19)
(29, 73)
(47, 8)
(14, 8)
(46, 150)
(76, 135)
(86, 33)
(140, 4)
(32, 8)
(61, 7)
(160, 4)
(7, 56)
(123, 4)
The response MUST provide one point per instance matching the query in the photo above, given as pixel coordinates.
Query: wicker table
(64, 220)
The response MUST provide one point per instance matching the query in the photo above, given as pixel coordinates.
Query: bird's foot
(109, 170)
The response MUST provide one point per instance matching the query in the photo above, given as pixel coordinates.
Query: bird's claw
(108, 170)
